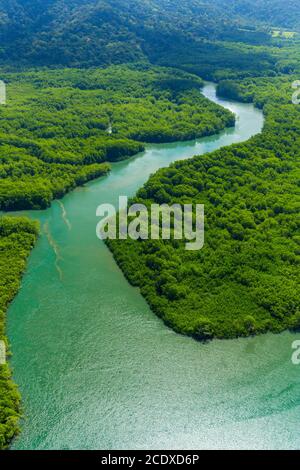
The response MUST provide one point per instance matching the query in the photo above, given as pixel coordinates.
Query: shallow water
(98, 370)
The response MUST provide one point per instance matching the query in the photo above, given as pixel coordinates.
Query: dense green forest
(246, 278)
(102, 32)
(60, 127)
(217, 60)
(17, 237)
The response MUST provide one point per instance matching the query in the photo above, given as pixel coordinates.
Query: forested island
(91, 84)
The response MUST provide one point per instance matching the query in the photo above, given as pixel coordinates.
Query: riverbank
(25, 200)
(31, 194)
(17, 238)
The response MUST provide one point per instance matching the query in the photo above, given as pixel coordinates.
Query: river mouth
(98, 370)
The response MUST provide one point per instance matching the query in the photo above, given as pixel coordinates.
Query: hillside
(271, 12)
(54, 128)
(93, 32)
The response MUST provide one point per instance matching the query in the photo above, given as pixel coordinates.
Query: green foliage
(246, 278)
(60, 127)
(17, 237)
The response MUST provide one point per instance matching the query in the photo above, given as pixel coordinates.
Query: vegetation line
(55, 249)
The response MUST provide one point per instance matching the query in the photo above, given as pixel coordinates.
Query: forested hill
(101, 32)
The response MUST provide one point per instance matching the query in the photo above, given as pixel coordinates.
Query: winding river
(98, 370)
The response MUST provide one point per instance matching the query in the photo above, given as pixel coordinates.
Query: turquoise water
(98, 370)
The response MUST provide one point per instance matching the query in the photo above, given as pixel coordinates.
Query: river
(98, 370)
